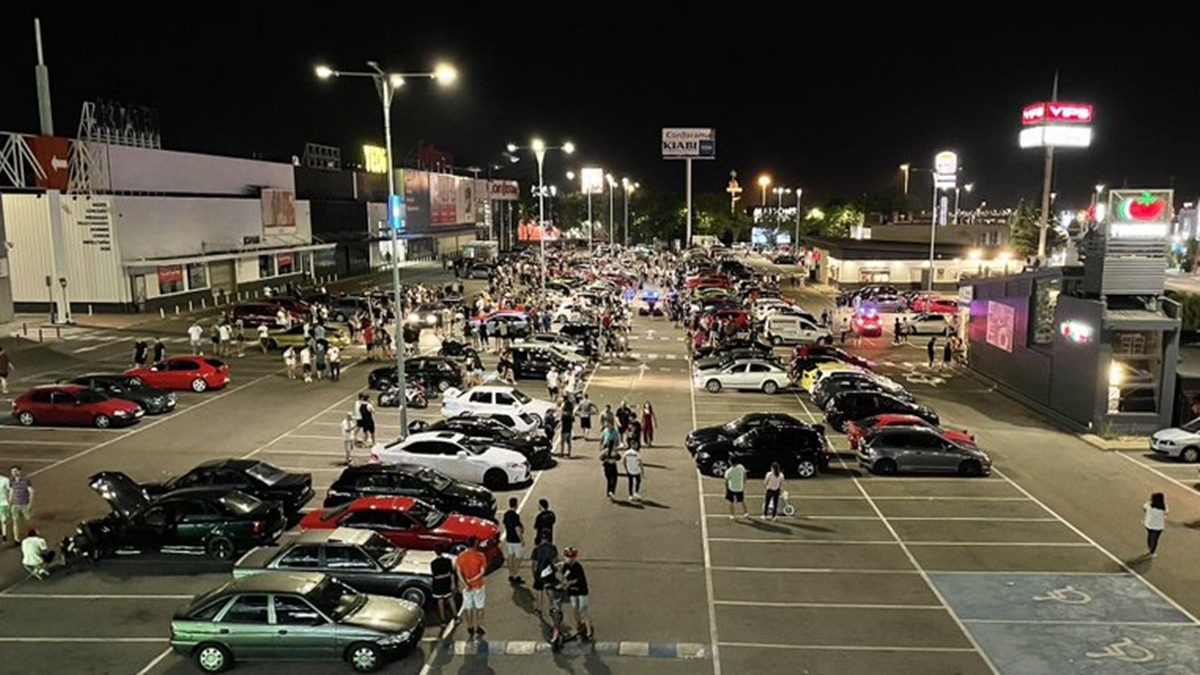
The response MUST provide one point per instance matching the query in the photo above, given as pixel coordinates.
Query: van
(782, 329)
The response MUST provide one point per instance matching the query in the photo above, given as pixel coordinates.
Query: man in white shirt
(632, 460)
(552, 383)
(4, 512)
(224, 334)
(196, 338)
(35, 555)
(264, 336)
(334, 356)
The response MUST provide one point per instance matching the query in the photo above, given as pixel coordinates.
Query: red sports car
(924, 304)
(855, 431)
(74, 405)
(409, 523)
(197, 373)
(868, 324)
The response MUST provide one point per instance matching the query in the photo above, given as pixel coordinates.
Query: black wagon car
(734, 428)
(436, 372)
(118, 385)
(800, 452)
(855, 405)
(261, 479)
(403, 480)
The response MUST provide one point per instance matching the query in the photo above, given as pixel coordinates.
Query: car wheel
(807, 468)
(713, 386)
(102, 421)
(219, 548)
(776, 340)
(364, 657)
(415, 595)
(26, 418)
(885, 467)
(718, 468)
(199, 385)
(970, 468)
(770, 387)
(1190, 455)
(212, 657)
(495, 479)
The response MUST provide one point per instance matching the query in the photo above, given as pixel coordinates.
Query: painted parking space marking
(632, 649)
(1111, 598)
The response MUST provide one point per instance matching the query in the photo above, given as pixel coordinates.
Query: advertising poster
(528, 230)
(1000, 319)
(278, 212)
(416, 201)
(443, 200)
(464, 200)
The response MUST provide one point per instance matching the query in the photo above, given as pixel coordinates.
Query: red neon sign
(1056, 112)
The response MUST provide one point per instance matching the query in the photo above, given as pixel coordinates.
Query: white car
(494, 399)
(753, 374)
(929, 324)
(1181, 442)
(457, 456)
(763, 306)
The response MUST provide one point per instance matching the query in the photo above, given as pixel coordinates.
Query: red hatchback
(197, 373)
(73, 405)
(409, 523)
(855, 431)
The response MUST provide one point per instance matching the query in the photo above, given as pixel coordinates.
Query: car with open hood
(218, 522)
(298, 616)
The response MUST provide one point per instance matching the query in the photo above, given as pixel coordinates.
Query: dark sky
(833, 100)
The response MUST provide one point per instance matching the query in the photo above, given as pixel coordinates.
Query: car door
(383, 522)
(911, 451)
(194, 521)
(757, 455)
(944, 456)
(504, 402)
(355, 567)
(756, 374)
(245, 627)
(424, 453)
(149, 530)
(482, 402)
(807, 332)
(735, 376)
(301, 632)
(60, 409)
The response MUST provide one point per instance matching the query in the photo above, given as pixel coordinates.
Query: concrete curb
(1137, 443)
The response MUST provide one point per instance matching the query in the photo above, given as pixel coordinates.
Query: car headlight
(868, 451)
(431, 319)
(1162, 442)
(395, 638)
(702, 455)
(121, 413)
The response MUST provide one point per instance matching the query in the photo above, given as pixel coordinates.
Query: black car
(533, 445)
(533, 361)
(762, 350)
(117, 385)
(800, 452)
(436, 372)
(217, 522)
(404, 480)
(263, 480)
(739, 426)
(580, 332)
(855, 405)
(837, 382)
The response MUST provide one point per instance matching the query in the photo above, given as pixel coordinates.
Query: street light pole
(627, 186)
(612, 184)
(386, 84)
(796, 241)
(539, 148)
(905, 168)
(933, 228)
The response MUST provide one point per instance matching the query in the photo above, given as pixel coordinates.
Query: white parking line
(708, 566)
(811, 570)
(820, 605)
(852, 648)
(317, 453)
(323, 438)
(69, 596)
(1156, 471)
(917, 519)
(899, 498)
(82, 640)
(12, 442)
(889, 542)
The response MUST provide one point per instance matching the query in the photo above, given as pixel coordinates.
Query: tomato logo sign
(1144, 207)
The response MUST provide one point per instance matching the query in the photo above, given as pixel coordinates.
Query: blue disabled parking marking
(1107, 598)
(1097, 649)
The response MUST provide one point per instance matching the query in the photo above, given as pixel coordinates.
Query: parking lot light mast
(612, 184)
(539, 148)
(627, 186)
(386, 84)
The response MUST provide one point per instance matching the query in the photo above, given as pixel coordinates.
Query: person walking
(160, 350)
(1155, 520)
(264, 337)
(608, 417)
(774, 489)
(552, 383)
(545, 520)
(632, 459)
(289, 362)
(735, 489)
(542, 560)
(947, 353)
(845, 329)
(366, 419)
(320, 358)
(585, 411)
(649, 421)
(5, 369)
(334, 356)
(442, 588)
(141, 352)
(471, 566)
(609, 438)
(196, 338)
(931, 349)
(576, 582)
(514, 541)
(306, 363)
(567, 421)
(897, 332)
(349, 430)
(20, 500)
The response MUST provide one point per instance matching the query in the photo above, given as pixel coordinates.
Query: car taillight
(259, 527)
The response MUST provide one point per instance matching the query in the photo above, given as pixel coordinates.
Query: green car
(295, 617)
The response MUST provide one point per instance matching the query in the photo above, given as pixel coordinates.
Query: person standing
(5, 369)
(552, 383)
(141, 351)
(542, 560)
(931, 349)
(608, 417)
(585, 410)
(471, 566)
(514, 541)
(649, 421)
(576, 582)
(225, 335)
(774, 488)
(735, 488)
(609, 438)
(349, 431)
(264, 337)
(897, 332)
(947, 353)
(567, 421)
(366, 419)
(1155, 520)
(289, 362)
(442, 588)
(320, 358)
(214, 336)
(239, 337)
(543, 523)
(20, 500)
(160, 350)
(5, 514)
(196, 338)
(334, 356)
(632, 459)
(845, 328)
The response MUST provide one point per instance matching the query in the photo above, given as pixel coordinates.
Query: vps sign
(689, 143)
(1056, 112)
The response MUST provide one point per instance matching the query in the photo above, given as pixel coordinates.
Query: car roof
(275, 582)
(70, 388)
(204, 492)
(101, 376)
(837, 366)
(347, 535)
(229, 463)
(358, 469)
(450, 436)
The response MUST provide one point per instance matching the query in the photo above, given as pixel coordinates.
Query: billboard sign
(504, 190)
(278, 212)
(690, 143)
(1000, 320)
(443, 200)
(591, 180)
(51, 154)
(375, 159)
(945, 167)
(1056, 124)
(1056, 112)
(1139, 214)
(416, 200)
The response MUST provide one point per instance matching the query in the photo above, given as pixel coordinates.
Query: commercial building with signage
(853, 263)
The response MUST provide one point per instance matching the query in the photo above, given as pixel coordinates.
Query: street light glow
(538, 145)
(570, 175)
(1100, 188)
(512, 147)
(611, 181)
(764, 180)
(396, 80)
(324, 72)
(568, 147)
(445, 74)
(968, 187)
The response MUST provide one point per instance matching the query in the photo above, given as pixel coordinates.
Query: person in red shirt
(471, 566)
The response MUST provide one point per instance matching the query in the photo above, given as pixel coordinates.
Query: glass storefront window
(266, 266)
(1135, 372)
(197, 276)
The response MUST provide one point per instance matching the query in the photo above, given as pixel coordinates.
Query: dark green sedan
(294, 617)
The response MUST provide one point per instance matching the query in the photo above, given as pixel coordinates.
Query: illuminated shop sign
(1076, 331)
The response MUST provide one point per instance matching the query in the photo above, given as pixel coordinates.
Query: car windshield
(92, 396)
(528, 419)
(1192, 427)
(335, 599)
(520, 396)
(336, 512)
(267, 473)
(240, 502)
(426, 515)
(438, 481)
(737, 425)
(383, 551)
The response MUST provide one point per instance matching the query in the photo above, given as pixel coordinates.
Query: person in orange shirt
(471, 566)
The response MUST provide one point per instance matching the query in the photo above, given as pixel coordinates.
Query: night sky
(832, 102)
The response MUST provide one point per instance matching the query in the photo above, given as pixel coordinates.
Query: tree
(1024, 231)
(711, 215)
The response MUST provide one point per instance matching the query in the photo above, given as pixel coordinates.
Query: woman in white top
(306, 363)
(289, 360)
(774, 485)
(1155, 520)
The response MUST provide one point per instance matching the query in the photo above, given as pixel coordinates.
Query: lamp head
(570, 175)
(396, 80)
(324, 72)
(568, 147)
(538, 145)
(764, 180)
(445, 74)
(968, 187)
(512, 147)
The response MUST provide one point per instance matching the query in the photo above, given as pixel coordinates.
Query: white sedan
(752, 374)
(929, 324)
(457, 456)
(494, 399)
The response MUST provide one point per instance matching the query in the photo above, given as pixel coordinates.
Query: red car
(711, 281)
(74, 405)
(197, 373)
(867, 324)
(925, 304)
(409, 523)
(855, 431)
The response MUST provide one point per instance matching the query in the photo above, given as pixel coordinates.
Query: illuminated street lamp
(627, 186)
(386, 84)
(539, 148)
(764, 181)
(904, 169)
(1096, 196)
(612, 184)
(968, 187)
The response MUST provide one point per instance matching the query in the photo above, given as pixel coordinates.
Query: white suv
(457, 456)
(493, 399)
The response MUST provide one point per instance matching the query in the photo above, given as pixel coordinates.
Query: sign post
(688, 144)
(945, 177)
